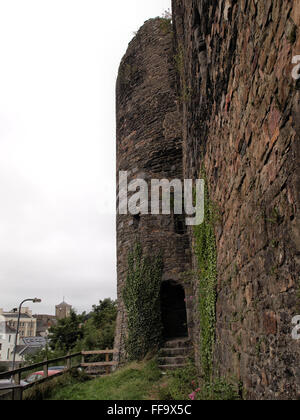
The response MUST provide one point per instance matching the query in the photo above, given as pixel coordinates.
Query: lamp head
(36, 300)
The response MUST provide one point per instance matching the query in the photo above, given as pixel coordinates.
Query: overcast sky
(58, 66)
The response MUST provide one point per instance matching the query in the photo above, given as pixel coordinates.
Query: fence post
(45, 369)
(106, 361)
(68, 361)
(17, 394)
(82, 358)
(17, 378)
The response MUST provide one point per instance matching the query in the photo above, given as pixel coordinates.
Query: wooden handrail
(48, 378)
(99, 364)
(68, 357)
(35, 366)
(95, 352)
(17, 373)
(107, 364)
(39, 382)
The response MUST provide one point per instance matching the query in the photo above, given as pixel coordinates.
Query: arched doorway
(173, 309)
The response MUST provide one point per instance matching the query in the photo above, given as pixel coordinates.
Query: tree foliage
(99, 329)
(92, 331)
(66, 334)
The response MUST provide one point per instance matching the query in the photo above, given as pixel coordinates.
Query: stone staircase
(174, 354)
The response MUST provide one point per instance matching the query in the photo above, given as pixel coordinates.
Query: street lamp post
(35, 300)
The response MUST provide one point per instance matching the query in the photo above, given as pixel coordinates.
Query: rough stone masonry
(233, 107)
(149, 146)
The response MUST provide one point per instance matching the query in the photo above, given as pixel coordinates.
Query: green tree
(67, 332)
(105, 313)
(99, 329)
(93, 331)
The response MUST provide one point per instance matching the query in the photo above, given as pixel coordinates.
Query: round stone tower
(149, 146)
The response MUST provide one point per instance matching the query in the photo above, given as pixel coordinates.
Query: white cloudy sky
(58, 65)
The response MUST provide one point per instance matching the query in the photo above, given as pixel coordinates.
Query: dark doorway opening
(179, 224)
(173, 309)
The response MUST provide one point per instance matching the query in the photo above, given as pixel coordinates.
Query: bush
(46, 389)
(184, 384)
(3, 368)
(179, 383)
(219, 390)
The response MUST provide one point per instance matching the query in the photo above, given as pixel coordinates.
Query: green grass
(178, 385)
(134, 382)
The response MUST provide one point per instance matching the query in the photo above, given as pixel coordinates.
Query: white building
(25, 346)
(7, 341)
(8, 328)
(27, 322)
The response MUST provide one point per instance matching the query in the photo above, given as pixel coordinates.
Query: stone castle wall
(241, 119)
(219, 93)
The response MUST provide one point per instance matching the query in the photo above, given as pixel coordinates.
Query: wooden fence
(16, 389)
(107, 364)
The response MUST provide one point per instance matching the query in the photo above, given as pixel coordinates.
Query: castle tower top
(63, 310)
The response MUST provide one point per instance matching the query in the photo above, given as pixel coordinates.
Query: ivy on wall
(206, 254)
(180, 67)
(142, 301)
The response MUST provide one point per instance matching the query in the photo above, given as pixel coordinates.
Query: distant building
(7, 343)
(63, 310)
(27, 343)
(44, 323)
(30, 346)
(27, 322)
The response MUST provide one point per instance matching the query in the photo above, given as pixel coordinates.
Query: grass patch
(183, 384)
(46, 389)
(137, 381)
(178, 384)
(134, 382)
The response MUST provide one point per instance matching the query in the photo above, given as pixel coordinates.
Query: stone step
(180, 351)
(171, 367)
(179, 360)
(178, 343)
(175, 353)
